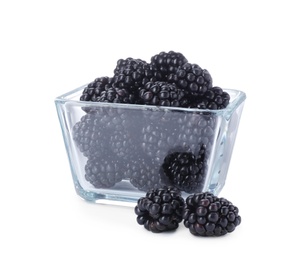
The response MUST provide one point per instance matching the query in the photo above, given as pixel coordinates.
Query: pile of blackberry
(141, 143)
(167, 72)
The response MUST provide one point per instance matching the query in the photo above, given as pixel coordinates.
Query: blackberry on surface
(192, 78)
(214, 98)
(95, 88)
(160, 210)
(185, 170)
(167, 62)
(162, 94)
(207, 215)
(104, 171)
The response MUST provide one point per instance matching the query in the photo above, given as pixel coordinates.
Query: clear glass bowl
(118, 151)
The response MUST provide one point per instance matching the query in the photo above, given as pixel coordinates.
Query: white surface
(51, 47)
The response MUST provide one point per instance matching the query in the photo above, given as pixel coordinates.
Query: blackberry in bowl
(140, 129)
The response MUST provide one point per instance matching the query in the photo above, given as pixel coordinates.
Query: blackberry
(132, 74)
(160, 210)
(207, 215)
(185, 170)
(194, 130)
(89, 134)
(95, 88)
(116, 95)
(162, 94)
(124, 63)
(214, 98)
(144, 173)
(162, 131)
(167, 63)
(192, 78)
(158, 134)
(104, 171)
(104, 130)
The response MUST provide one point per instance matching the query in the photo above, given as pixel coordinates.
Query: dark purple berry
(214, 98)
(167, 63)
(144, 173)
(207, 215)
(95, 88)
(193, 79)
(116, 95)
(162, 94)
(103, 172)
(185, 170)
(160, 210)
(132, 74)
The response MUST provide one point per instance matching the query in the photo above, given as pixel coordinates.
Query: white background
(51, 47)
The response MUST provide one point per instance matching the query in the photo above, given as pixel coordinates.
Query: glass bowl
(117, 152)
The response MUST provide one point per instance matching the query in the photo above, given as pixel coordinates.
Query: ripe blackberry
(95, 88)
(207, 215)
(158, 135)
(167, 63)
(185, 170)
(214, 98)
(160, 210)
(194, 130)
(116, 95)
(124, 63)
(132, 74)
(104, 171)
(163, 94)
(192, 78)
(144, 173)
(104, 130)
(89, 134)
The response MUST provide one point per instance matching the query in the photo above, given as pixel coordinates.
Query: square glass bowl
(119, 151)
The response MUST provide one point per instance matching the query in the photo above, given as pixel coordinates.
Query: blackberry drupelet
(167, 63)
(95, 88)
(207, 215)
(132, 74)
(214, 98)
(104, 171)
(162, 94)
(160, 210)
(185, 170)
(193, 79)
